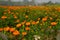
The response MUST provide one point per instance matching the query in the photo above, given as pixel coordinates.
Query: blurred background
(29, 2)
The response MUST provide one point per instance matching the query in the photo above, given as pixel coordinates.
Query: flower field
(30, 22)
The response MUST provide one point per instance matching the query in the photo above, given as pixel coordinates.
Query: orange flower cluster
(22, 19)
(12, 30)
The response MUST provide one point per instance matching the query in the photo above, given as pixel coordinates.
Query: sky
(37, 1)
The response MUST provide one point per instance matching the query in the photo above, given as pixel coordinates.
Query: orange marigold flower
(3, 17)
(9, 12)
(51, 18)
(15, 16)
(18, 25)
(1, 29)
(27, 23)
(50, 27)
(33, 22)
(18, 20)
(6, 29)
(44, 19)
(38, 19)
(37, 22)
(23, 23)
(12, 29)
(4, 13)
(53, 23)
(26, 16)
(24, 33)
(16, 33)
(27, 28)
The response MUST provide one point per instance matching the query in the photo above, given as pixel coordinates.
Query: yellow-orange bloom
(44, 19)
(53, 23)
(37, 22)
(15, 16)
(27, 28)
(23, 22)
(18, 25)
(12, 29)
(38, 19)
(33, 22)
(27, 23)
(26, 16)
(6, 29)
(16, 33)
(24, 33)
(1, 29)
(4, 13)
(50, 27)
(3, 17)
(18, 20)
(51, 18)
